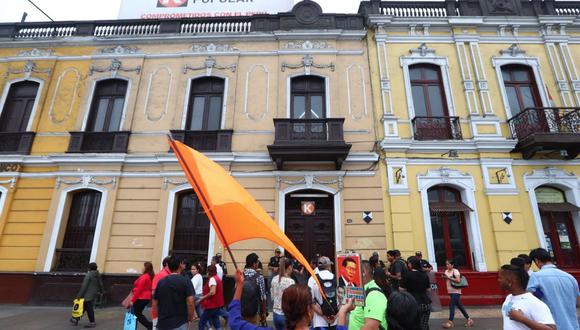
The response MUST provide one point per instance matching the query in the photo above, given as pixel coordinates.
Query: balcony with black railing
(437, 128)
(551, 131)
(303, 140)
(208, 141)
(18, 143)
(98, 142)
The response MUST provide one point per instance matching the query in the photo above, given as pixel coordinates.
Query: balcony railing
(72, 260)
(98, 142)
(16, 143)
(218, 141)
(309, 131)
(437, 128)
(410, 9)
(545, 120)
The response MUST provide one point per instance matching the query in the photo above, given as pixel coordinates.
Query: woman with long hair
(280, 283)
(452, 275)
(296, 305)
(141, 294)
(212, 300)
(197, 281)
(416, 282)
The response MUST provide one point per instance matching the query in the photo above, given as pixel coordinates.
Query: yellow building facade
(479, 105)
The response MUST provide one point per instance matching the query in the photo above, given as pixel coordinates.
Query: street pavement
(56, 318)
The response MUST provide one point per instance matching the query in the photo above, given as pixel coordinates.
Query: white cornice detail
(407, 145)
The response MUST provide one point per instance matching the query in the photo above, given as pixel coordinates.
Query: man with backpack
(397, 268)
(325, 310)
(373, 314)
(253, 301)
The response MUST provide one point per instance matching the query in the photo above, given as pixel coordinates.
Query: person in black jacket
(416, 282)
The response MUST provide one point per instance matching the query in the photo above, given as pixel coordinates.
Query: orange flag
(233, 212)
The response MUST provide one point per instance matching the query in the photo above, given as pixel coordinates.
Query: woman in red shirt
(142, 294)
(212, 300)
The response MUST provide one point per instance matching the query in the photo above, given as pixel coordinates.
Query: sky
(70, 10)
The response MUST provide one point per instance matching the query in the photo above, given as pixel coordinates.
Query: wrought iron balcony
(547, 130)
(300, 140)
(72, 260)
(218, 141)
(437, 128)
(98, 142)
(16, 143)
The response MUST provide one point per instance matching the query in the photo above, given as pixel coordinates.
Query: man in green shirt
(373, 315)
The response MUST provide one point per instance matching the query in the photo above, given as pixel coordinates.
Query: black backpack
(329, 305)
(250, 300)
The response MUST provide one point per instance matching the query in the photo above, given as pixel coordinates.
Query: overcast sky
(65, 10)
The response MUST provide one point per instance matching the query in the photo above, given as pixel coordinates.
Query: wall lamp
(451, 154)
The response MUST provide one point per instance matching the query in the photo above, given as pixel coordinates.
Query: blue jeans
(198, 309)
(212, 316)
(456, 301)
(279, 321)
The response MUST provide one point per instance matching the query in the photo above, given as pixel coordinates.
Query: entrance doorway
(309, 222)
(559, 231)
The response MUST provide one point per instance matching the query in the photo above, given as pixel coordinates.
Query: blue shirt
(559, 291)
(236, 322)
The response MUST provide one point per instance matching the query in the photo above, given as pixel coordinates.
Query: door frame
(337, 209)
(289, 93)
(572, 232)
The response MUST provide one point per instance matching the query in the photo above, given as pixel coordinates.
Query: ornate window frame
(466, 185)
(425, 55)
(188, 94)
(3, 196)
(289, 92)
(89, 104)
(61, 213)
(36, 100)
(569, 183)
(514, 55)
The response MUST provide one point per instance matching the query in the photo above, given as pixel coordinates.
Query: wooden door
(561, 238)
(312, 234)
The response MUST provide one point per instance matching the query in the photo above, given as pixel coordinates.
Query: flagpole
(227, 246)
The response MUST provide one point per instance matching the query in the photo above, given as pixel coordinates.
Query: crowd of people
(396, 296)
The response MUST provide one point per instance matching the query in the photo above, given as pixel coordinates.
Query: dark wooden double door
(312, 234)
(561, 238)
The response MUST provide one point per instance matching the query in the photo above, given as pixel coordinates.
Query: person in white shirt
(197, 281)
(319, 321)
(521, 310)
(216, 262)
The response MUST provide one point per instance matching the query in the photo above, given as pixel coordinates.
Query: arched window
(77, 241)
(428, 91)
(205, 104)
(308, 99)
(18, 106)
(191, 230)
(449, 227)
(559, 230)
(521, 88)
(107, 106)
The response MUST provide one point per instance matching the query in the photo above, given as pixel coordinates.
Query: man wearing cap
(320, 321)
(275, 263)
(425, 265)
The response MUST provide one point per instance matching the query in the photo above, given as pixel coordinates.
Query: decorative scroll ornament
(212, 48)
(309, 180)
(35, 52)
(12, 182)
(29, 68)
(308, 64)
(119, 50)
(513, 51)
(209, 66)
(306, 45)
(167, 181)
(115, 67)
(85, 181)
(422, 50)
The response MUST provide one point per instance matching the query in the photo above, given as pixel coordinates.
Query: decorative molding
(513, 51)
(167, 181)
(167, 97)
(363, 92)
(310, 180)
(308, 64)
(118, 50)
(503, 172)
(209, 65)
(422, 51)
(11, 181)
(115, 67)
(397, 176)
(306, 45)
(86, 181)
(51, 111)
(213, 48)
(28, 69)
(35, 52)
(266, 93)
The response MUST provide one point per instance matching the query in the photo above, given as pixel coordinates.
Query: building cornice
(466, 146)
